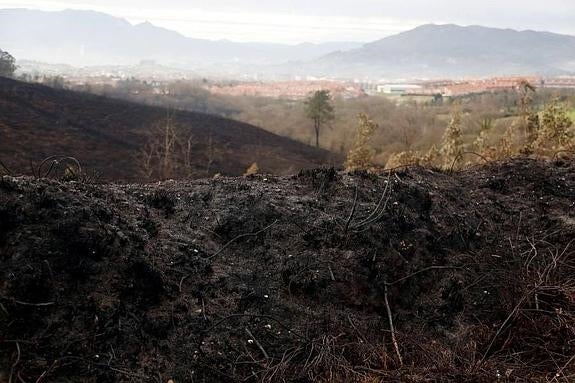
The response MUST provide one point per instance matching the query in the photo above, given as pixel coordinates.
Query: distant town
(297, 88)
(446, 88)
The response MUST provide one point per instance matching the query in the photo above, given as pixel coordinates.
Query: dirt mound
(107, 135)
(414, 276)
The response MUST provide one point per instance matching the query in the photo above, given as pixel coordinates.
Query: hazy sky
(293, 21)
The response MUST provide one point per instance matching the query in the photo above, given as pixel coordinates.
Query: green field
(571, 114)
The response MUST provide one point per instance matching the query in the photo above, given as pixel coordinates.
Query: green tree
(319, 109)
(7, 64)
(555, 130)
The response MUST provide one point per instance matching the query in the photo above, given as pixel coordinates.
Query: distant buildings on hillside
(461, 88)
(400, 89)
(293, 90)
(560, 82)
(453, 88)
(297, 88)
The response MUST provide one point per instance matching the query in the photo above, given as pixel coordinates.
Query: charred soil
(412, 276)
(108, 135)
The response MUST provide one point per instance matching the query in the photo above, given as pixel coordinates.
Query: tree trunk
(317, 134)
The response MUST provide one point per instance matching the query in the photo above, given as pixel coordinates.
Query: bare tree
(210, 152)
(170, 137)
(159, 150)
(188, 155)
(145, 160)
(528, 116)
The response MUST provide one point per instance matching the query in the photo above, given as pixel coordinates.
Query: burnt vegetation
(125, 141)
(417, 275)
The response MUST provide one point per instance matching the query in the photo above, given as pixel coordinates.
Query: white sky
(294, 21)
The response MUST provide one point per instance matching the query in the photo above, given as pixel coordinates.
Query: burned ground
(107, 135)
(295, 279)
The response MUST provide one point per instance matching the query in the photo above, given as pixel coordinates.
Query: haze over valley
(87, 38)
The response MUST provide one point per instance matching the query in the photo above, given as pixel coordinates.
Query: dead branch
(241, 236)
(560, 372)
(54, 162)
(204, 309)
(391, 328)
(423, 271)
(15, 362)
(377, 213)
(361, 336)
(27, 303)
(509, 317)
(123, 372)
(45, 373)
(331, 274)
(351, 214)
(460, 156)
(182, 282)
(8, 171)
(257, 343)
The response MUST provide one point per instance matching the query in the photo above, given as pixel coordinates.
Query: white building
(398, 88)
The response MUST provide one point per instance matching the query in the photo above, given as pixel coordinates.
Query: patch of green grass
(571, 114)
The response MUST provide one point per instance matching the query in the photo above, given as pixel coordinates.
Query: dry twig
(257, 343)
(351, 214)
(21, 303)
(239, 237)
(15, 363)
(391, 328)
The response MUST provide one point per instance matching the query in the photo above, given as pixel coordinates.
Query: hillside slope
(452, 51)
(266, 279)
(105, 135)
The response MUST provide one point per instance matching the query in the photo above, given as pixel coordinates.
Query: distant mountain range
(454, 51)
(90, 38)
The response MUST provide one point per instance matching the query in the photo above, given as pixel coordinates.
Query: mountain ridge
(86, 38)
(453, 50)
(76, 37)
